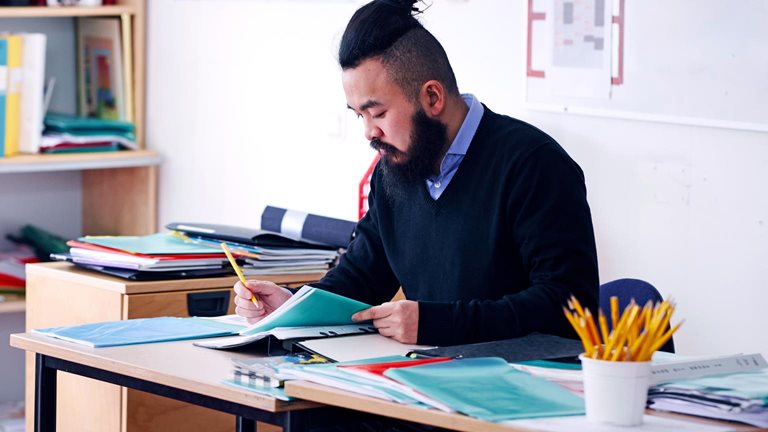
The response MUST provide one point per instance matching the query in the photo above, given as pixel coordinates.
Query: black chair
(626, 290)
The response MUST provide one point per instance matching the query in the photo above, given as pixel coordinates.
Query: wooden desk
(60, 294)
(334, 397)
(175, 370)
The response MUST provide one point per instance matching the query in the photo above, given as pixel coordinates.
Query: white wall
(245, 102)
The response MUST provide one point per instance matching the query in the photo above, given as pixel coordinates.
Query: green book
(310, 306)
(86, 125)
(153, 244)
(488, 388)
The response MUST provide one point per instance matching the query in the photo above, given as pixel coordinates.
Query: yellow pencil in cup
(232, 261)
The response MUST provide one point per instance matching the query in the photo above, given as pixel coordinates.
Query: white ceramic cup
(615, 392)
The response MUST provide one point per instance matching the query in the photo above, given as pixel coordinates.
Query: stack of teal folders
(487, 388)
(73, 134)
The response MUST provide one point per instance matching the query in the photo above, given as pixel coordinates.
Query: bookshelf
(117, 190)
(111, 193)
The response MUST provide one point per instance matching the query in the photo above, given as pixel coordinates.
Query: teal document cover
(310, 307)
(488, 388)
(139, 331)
(153, 244)
(78, 125)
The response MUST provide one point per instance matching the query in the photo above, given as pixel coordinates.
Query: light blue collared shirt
(450, 164)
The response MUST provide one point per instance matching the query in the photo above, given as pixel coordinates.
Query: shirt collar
(468, 128)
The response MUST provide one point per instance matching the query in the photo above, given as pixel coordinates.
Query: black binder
(535, 346)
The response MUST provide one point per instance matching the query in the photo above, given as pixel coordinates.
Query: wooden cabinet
(60, 294)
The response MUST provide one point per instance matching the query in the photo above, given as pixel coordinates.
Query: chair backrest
(626, 290)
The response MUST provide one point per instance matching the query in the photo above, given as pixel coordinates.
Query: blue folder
(138, 331)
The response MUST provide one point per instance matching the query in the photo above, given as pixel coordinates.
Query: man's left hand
(398, 320)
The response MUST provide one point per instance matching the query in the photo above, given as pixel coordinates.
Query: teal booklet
(310, 306)
(488, 388)
(138, 331)
(153, 244)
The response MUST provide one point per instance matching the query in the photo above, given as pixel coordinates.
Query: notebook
(138, 331)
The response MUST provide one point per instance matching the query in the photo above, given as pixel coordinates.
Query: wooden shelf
(78, 161)
(11, 306)
(64, 11)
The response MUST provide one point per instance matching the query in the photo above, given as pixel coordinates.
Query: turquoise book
(139, 331)
(490, 389)
(310, 306)
(153, 244)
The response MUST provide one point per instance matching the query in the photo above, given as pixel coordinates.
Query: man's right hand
(269, 296)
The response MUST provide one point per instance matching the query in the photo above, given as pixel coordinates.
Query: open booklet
(311, 312)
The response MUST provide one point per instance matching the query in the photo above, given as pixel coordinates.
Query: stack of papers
(486, 387)
(132, 256)
(264, 252)
(740, 397)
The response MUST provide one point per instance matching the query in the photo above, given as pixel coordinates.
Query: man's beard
(428, 140)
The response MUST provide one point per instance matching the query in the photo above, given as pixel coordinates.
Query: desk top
(63, 271)
(176, 364)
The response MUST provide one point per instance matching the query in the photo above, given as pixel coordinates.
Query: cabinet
(60, 294)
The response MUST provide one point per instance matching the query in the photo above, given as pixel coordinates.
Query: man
(481, 218)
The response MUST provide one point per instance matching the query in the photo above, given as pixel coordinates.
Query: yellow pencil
(232, 261)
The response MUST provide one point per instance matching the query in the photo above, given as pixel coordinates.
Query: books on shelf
(22, 76)
(32, 92)
(102, 84)
(12, 93)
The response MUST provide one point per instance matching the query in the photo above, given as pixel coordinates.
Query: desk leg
(243, 424)
(45, 396)
(295, 421)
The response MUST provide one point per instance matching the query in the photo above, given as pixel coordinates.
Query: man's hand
(398, 320)
(269, 296)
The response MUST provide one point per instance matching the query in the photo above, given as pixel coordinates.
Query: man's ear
(432, 98)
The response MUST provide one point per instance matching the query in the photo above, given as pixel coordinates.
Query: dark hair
(388, 29)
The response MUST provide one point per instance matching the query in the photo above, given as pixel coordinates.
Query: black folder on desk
(535, 346)
(308, 231)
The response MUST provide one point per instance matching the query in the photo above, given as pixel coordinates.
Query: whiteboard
(698, 62)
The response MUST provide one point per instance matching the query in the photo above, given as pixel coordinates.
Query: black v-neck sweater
(496, 256)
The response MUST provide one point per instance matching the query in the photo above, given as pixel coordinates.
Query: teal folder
(139, 331)
(153, 244)
(310, 307)
(488, 388)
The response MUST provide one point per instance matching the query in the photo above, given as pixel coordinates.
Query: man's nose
(372, 131)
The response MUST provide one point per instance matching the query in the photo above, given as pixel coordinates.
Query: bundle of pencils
(635, 336)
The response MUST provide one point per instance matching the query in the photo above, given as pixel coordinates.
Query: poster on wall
(691, 62)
